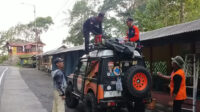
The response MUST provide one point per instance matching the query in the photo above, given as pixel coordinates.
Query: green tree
(80, 12)
(25, 32)
(147, 14)
(162, 13)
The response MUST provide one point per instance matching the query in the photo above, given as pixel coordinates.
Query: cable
(65, 5)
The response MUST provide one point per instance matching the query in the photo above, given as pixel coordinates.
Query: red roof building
(20, 47)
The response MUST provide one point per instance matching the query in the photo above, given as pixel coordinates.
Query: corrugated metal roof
(49, 52)
(171, 30)
(63, 50)
(76, 48)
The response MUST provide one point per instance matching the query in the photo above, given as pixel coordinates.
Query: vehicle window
(83, 67)
(91, 65)
(93, 68)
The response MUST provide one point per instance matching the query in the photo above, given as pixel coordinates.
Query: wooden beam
(151, 60)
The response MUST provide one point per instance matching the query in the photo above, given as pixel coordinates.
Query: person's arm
(136, 34)
(177, 83)
(126, 38)
(100, 28)
(58, 78)
(163, 76)
(93, 29)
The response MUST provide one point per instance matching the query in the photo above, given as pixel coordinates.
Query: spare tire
(138, 81)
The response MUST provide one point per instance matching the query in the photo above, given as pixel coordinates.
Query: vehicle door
(79, 76)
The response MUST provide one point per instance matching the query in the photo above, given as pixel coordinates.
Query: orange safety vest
(181, 95)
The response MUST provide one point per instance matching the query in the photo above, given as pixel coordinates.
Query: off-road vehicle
(110, 77)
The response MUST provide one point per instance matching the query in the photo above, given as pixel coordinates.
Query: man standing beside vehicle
(177, 83)
(94, 25)
(59, 81)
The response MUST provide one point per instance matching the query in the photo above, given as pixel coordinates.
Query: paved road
(41, 85)
(3, 71)
(16, 95)
(29, 90)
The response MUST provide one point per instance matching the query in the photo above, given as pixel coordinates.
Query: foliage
(147, 14)
(25, 56)
(161, 13)
(79, 14)
(25, 32)
(41, 23)
(113, 25)
(3, 58)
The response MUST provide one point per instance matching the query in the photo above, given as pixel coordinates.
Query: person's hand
(159, 74)
(63, 97)
(125, 39)
(170, 103)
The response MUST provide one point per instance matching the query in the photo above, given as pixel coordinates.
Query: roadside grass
(3, 58)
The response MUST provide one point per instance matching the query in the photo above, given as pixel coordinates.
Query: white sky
(14, 12)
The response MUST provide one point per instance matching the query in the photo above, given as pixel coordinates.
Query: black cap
(101, 14)
(58, 59)
(129, 19)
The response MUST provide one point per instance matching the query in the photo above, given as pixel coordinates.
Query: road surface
(29, 90)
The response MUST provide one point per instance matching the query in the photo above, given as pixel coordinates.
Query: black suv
(111, 77)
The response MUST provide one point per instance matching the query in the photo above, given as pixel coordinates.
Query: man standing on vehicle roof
(60, 84)
(132, 33)
(94, 25)
(177, 83)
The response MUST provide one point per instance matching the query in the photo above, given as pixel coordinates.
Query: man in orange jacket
(177, 83)
(133, 32)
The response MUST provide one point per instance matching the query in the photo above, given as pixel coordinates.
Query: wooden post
(170, 56)
(193, 47)
(151, 60)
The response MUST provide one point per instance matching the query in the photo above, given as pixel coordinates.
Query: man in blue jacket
(93, 25)
(59, 82)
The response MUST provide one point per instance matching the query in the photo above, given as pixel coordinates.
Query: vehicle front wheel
(71, 101)
(90, 103)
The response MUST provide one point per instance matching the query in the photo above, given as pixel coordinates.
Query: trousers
(177, 105)
(58, 103)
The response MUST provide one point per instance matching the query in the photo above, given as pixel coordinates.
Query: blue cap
(58, 59)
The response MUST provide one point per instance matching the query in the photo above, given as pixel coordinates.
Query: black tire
(138, 81)
(138, 106)
(130, 107)
(71, 101)
(90, 103)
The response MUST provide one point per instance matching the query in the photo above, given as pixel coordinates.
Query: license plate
(112, 94)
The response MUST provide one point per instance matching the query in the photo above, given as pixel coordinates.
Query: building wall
(158, 58)
(167, 51)
(18, 50)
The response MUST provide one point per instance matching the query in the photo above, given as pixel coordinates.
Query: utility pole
(35, 23)
(36, 33)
